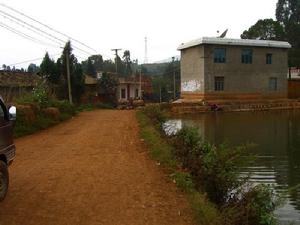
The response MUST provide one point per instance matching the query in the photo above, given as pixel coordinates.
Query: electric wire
(41, 31)
(50, 28)
(31, 60)
(28, 37)
(28, 28)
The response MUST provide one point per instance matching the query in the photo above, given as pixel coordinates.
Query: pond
(275, 140)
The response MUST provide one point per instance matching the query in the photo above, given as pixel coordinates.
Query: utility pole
(140, 94)
(116, 54)
(159, 93)
(68, 76)
(174, 79)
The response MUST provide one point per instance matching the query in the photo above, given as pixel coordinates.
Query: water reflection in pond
(276, 136)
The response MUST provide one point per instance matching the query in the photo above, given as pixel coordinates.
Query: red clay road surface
(92, 169)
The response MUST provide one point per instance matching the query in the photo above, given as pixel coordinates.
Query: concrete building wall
(131, 91)
(192, 72)
(198, 71)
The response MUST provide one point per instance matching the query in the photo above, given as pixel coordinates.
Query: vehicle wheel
(4, 180)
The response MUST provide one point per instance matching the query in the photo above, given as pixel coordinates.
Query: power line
(31, 60)
(36, 59)
(40, 30)
(24, 35)
(28, 28)
(50, 28)
(34, 27)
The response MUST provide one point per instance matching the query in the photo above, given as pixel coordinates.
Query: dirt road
(92, 169)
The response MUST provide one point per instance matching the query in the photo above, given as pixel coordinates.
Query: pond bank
(183, 106)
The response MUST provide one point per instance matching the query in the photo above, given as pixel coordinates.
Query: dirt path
(92, 169)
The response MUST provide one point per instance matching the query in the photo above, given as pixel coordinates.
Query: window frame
(269, 58)
(136, 93)
(123, 89)
(219, 83)
(218, 55)
(247, 58)
(273, 86)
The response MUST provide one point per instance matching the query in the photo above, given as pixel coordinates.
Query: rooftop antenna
(223, 35)
(146, 52)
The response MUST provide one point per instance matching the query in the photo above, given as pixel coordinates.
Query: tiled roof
(22, 79)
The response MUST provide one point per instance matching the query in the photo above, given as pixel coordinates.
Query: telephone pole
(116, 54)
(140, 94)
(68, 76)
(174, 79)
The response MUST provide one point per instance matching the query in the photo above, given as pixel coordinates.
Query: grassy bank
(160, 150)
(209, 174)
(31, 117)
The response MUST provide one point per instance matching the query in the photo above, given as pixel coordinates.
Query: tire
(4, 180)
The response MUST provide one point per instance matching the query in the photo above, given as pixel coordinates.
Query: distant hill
(154, 68)
(177, 58)
(158, 67)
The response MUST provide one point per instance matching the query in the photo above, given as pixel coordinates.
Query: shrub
(155, 113)
(256, 206)
(215, 168)
(64, 107)
(40, 95)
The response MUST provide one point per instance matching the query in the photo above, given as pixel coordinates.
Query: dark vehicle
(7, 146)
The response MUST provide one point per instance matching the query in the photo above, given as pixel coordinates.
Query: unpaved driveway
(92, 169)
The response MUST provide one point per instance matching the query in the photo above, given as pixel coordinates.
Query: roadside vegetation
(39, 110)
(209, 174)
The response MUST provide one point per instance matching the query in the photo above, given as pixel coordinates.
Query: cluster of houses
(211, 68)
(129, 87)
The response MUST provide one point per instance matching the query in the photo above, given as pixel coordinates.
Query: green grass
(22, 127)
(206, 213)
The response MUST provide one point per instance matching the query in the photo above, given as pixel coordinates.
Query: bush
(155, 113)
(64, 107)
(215, 170)
(32, 116)
(256, 206)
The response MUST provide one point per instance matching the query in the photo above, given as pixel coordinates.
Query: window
(136, 93)
(273, 84)
(123, 93)
(268, 58)
(219, 55)
(247, 56)
(219, 83)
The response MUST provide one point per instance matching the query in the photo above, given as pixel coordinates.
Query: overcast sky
(107, 24)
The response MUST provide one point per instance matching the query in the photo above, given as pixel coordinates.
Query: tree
(108, 86)
(93, 65)
(288, 11)
(76, 73)
(32, 68)
(4, 67)
(127, 62)
(266, 29)
(288, 15)
(48, 69)
(90, 69)
(121, 65)
(97, 62)
(109, 66)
